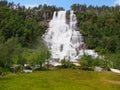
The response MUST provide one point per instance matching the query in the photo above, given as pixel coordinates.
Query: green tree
(40, 57)
(8, 51)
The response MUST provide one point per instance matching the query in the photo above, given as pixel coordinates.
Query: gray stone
(98, 69)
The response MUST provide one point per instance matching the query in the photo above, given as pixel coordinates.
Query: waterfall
(63, 39)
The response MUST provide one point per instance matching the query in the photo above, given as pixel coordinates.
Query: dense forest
(100, 27)
(21, 29)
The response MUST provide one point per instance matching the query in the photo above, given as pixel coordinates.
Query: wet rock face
(68, 17)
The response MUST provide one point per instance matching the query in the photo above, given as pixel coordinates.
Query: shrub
(67, 64)
(88, 62)
(16, 69)
(3, 71)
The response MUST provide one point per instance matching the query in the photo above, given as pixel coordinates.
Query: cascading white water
(63, 40)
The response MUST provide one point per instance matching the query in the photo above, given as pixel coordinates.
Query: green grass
(61, 80)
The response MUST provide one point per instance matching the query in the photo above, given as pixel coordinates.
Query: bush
(3, 71)
(88, 62)
(88, 68)
(40, 57)
(16, 69)
(67, 64)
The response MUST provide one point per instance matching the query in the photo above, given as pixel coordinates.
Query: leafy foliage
(40, 57)
(88, 62)
(8, 51)
(67, 64)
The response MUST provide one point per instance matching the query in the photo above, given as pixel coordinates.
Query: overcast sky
(66, 3)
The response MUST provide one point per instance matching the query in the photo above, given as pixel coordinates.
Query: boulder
(98, 69)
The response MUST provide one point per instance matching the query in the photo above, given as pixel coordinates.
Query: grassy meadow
(61, 79)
